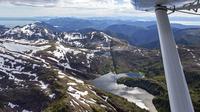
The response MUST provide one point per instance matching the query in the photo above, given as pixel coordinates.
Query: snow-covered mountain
(43, 69)
(31, 31)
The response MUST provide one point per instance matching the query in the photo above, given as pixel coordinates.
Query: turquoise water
(13, 23)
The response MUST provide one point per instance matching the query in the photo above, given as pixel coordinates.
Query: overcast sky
(18, 8)
(77, 8)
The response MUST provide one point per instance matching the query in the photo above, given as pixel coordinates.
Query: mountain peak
(31, 31)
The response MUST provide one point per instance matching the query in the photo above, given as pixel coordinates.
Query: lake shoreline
(140, 97)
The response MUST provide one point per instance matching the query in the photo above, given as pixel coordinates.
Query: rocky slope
(43, 70)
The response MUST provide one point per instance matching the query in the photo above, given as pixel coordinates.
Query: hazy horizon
(14, 21)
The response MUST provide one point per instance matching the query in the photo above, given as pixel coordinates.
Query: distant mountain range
(69, 24)
(148, 37)
(139, 33)
(129, 30)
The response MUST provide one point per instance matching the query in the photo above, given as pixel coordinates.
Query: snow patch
(11, 105)
(76, 80)
(26, 110)
(52, 95)
(71, 84)
(12, 46)
(74, 36)
(43, 86)
(53, 59)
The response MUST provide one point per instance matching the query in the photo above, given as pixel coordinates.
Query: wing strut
(180, 100)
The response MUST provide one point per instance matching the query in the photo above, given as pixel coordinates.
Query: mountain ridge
(54, 72)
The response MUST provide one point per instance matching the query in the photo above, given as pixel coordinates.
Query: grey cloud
(85, 4)
(32, 2)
